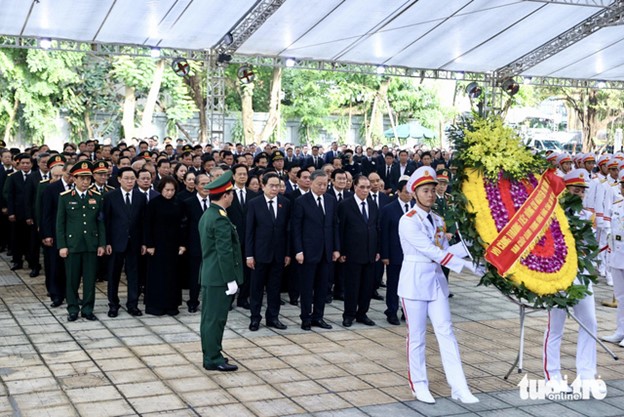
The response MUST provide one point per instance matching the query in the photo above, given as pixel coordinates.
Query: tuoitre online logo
(539, 389)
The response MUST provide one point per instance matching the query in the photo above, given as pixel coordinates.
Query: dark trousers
(379, 271)
(116, 261)
(337, 280)
(142, 273)
(392, 283)
(214, 313)
(313, 279)
(5, 231)
(269, 276)
(193, 280)
(54, 267)
(25, 244)
(77, 265)
(358, 291)
(245, 288)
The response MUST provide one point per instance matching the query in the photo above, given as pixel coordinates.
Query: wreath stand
(523, 314)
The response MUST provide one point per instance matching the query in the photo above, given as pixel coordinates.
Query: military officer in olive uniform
(80, 237)
(221, 271)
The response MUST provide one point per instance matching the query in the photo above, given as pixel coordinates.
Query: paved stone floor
(152, 365)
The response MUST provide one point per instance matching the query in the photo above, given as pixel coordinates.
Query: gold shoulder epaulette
(411, 213)
(44, 181)
(66, 192)
(11, 173)
(96, 192)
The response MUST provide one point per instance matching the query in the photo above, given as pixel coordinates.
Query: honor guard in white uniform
(424, 291)
(564, 164)
(616, 264)
(604, 197)
(552, 159)
(585, 312)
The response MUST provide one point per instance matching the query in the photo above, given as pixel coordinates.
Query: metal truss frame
(215, 99)
(611, 15)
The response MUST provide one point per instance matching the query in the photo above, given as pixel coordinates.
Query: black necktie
(204, 202)
(272, 210)
(242, 198)
(25, 177)
(430, 219)
(364, 211)
(339, 197)
(82, 196)
(128, 199)
(147, 196)
(388, 172)
(406, 207)
(296, 187)
(375, 199)
(320, 204)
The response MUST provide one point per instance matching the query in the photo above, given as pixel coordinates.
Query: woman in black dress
(179, 171)
(189, 187)
(163, 239)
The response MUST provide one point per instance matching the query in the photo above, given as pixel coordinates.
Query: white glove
(232, 288)
(470, 267)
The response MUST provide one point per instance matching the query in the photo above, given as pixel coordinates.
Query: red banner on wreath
(526, 225)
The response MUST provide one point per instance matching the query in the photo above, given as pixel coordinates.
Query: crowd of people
(315, 225)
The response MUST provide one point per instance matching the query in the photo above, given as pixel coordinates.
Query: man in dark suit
(291, 182)
(315, 159)
(368, 162)
(237, 213)
(303, 185)
(385, 172)
(404, 167)
(6, 168)
(124, 211)
(391, 251)
(339, 192)
(316, 245)
(23, 227)
(144, 185)
(381, 199)
(54, 265)
(332, 153)
(266, 250)
(358, 218)
(194, 208)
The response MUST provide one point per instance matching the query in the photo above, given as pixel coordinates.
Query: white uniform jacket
(616, 243)
(425, 248)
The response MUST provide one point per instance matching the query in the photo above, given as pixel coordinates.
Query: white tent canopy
(457, 35)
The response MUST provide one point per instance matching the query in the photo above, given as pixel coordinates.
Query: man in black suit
(39, 173)
(124, 212)
(315, 159)
(404, 167)
(381, 199)
(385, 172)
(358, 218)
(6, 168)
(316, 245)
(391, 251)
(55, 270)
(144, 185)
(237, 213)
(332, 153)
(291, 182)
(194, 208)
(339, 191)
(266, 250)
(368, 162)
(23, 227)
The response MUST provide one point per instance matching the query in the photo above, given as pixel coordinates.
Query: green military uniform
(221, 263)
(80, 229)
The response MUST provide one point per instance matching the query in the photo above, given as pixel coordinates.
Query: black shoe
(34, 272)
(329, 299)
(254, 326)
(56, 303)
(16, 266)
(113, 311)
(347, 322)
(276, 324)
(173, 312)
(90, 316)
(382, 285)
(402, 316)
(377, 296)
(72, 317)
(321, 323)
(365, 320)
(394, 320)
(306, 325)
(294, 303)
(192, 309)
(339, 297)
(451, 295)
(282, 302)
(133, 311)
(225, 367)
(243, 304)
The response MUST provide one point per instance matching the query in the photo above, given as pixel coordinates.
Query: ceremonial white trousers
(439, 313)
(618, 291)
(585, 311)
